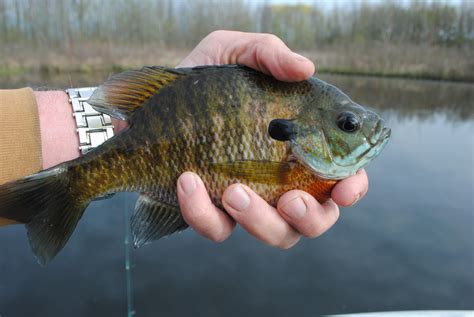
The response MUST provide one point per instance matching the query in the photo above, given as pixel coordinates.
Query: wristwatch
(93, 127)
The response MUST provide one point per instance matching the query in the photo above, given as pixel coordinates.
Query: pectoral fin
(153, 220)
(264, 172)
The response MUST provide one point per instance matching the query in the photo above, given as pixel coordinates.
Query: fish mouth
(378, 134)
(377, 140)
(386, 133)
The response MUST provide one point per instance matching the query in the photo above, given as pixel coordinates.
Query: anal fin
(154, 219)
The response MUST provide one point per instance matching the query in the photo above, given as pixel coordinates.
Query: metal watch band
(93, 127)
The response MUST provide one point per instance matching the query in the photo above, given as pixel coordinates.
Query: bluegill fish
(226, 123)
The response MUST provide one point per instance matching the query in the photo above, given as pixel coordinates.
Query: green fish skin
(226, 123)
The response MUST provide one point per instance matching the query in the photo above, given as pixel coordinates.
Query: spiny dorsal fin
(153, 219)
(123, 93)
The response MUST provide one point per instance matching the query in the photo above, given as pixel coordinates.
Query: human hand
(297, 212)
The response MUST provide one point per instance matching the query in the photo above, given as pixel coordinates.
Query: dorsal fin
(123, 93)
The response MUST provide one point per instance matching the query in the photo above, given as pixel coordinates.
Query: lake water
(408, 245)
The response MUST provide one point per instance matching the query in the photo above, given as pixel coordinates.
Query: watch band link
(93, 127)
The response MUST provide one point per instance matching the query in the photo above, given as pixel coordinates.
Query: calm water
(408, 245)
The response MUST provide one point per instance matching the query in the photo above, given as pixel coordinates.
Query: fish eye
(348, 122)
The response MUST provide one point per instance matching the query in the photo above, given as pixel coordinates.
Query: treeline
(67, 23)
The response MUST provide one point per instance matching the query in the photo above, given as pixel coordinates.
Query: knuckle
(209, 228)
(218, 236)
(285, 242)
(312, 228)
(193, 214)
(316, 228)
(216, 34)
(313, 231)
(269, 38)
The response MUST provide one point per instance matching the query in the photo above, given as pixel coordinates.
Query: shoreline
(385, 60)
(397, 75)
(53, 70)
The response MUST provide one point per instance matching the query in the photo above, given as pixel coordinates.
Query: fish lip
(379, 133)
(382, 136)
(386, 133)
(380, 144)
(373, 137)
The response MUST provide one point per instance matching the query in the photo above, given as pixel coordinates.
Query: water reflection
(407, 245)
(408, 98)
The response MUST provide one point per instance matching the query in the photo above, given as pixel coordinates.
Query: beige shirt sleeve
(20, 142)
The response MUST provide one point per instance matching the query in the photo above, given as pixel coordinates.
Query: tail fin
(48, 207)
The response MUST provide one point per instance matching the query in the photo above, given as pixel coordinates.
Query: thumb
(264, 52)
(291, 66)
(269, 54)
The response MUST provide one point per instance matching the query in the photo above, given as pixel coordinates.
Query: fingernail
(238, 198)
(187, 181)
(356, 199)
(295, 208)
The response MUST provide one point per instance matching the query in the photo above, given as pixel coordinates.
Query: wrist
(59, 138)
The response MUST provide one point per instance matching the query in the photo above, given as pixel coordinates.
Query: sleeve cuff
(20, 141)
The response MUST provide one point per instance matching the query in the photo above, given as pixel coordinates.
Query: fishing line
(128, 268)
